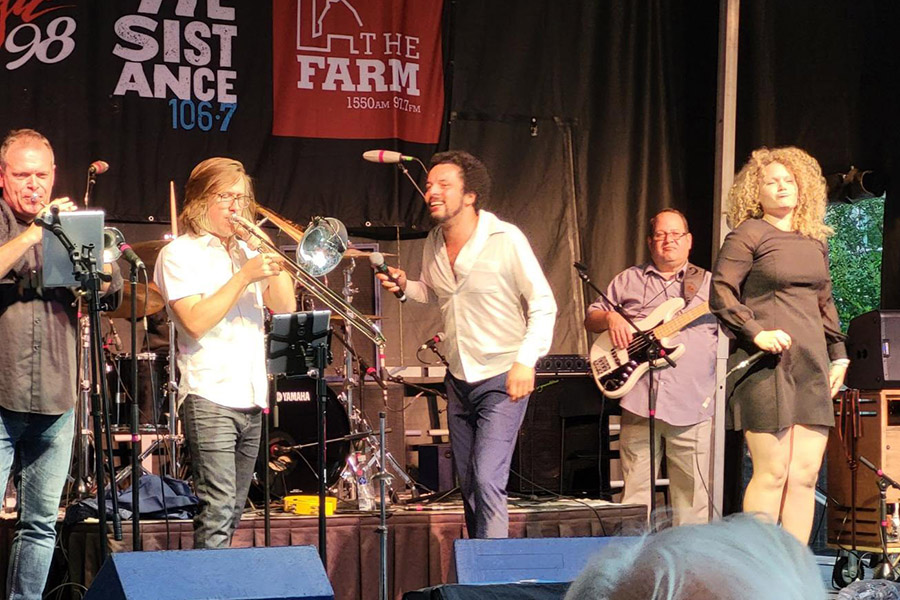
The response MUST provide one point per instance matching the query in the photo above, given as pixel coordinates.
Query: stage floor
(420, 541)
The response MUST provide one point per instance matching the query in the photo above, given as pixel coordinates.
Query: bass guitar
(616, 370)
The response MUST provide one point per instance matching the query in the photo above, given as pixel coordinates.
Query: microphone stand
(655, 352)
(384, 479)
(135, 418)
(91, 180)
(85, 270)
(885, 569)
(358, 419)
(405, 171)
(433, 347)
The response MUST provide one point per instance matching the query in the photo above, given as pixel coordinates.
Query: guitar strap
(693, 279)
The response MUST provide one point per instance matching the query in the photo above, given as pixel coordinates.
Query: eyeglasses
(675, 236)
(227, 198)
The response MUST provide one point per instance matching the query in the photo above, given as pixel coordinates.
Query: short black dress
(764, 279)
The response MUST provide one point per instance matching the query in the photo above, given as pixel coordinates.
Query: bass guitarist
(686, 393)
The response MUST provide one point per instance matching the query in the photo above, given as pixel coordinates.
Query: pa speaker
(525, 559)
(874, 362)
(291, 572)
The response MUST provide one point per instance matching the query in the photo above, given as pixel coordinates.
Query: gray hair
(740, 557)
(23, 134)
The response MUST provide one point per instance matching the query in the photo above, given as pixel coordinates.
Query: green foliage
(855, 251)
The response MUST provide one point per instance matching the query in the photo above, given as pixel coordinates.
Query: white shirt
(480, 299)
(228, 364)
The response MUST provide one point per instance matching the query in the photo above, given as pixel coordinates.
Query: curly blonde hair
(809, 216)
(212, 176)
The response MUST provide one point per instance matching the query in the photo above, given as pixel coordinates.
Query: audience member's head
(871, 589)
(738, 558)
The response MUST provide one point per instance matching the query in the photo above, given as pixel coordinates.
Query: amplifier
(563, 363)
(873, 365)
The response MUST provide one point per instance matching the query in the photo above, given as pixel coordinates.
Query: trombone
(315, 287)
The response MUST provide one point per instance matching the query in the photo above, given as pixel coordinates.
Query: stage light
(855, 185)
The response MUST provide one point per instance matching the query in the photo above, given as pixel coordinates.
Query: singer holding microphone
(480, 268)
(771, 286)
(38, 329)
(216, 288)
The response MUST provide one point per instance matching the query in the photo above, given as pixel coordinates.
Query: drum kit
(353, 449)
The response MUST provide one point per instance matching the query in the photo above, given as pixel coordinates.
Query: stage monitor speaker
(873, 363)
(525, 559)
(290, 572)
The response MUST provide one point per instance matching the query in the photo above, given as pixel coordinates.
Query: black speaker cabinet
(560, 448)
(874, 362)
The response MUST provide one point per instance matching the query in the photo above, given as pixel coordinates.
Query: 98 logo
(49, 46)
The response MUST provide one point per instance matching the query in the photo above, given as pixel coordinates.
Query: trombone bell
(112, 239)
(322, 246)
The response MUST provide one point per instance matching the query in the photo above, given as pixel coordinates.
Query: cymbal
(148, 302)
(148, 251)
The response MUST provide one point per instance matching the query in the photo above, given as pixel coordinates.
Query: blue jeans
(483, 425)
(224, 443)
(43, 446)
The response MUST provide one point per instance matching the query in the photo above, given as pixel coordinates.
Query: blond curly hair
(809, 216)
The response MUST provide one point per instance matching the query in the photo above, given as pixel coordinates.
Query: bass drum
(293, 422)
(153, 377)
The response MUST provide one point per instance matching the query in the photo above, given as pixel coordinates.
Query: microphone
(130, 255)
(117, 341)
(438, 337)
(377, 261)
(386, 156)
(97, 167)
(365, 369)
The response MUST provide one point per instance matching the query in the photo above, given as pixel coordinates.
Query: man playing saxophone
(216, 288)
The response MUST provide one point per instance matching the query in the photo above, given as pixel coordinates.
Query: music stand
(299, 345)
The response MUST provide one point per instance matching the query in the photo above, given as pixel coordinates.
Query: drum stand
(85, 436)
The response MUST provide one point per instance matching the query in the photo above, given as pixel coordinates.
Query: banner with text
(357, 69)
(153, 87)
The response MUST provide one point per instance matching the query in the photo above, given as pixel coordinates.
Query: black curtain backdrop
(824, 76)
(593, 116)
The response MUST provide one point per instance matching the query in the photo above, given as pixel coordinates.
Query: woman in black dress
(771, 287)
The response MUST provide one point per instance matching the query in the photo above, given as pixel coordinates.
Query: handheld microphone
(98, 166)
(386, 156)
(437, 338)
(130, 255)
(377, 261)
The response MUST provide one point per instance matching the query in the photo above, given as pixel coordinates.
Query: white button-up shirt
(480, 299)
(227, 365)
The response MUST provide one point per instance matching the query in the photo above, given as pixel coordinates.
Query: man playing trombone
(38, 365)
(216, 287)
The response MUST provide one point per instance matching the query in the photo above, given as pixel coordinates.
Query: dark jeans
(483, 425)
(223, 443)
(43, 444)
